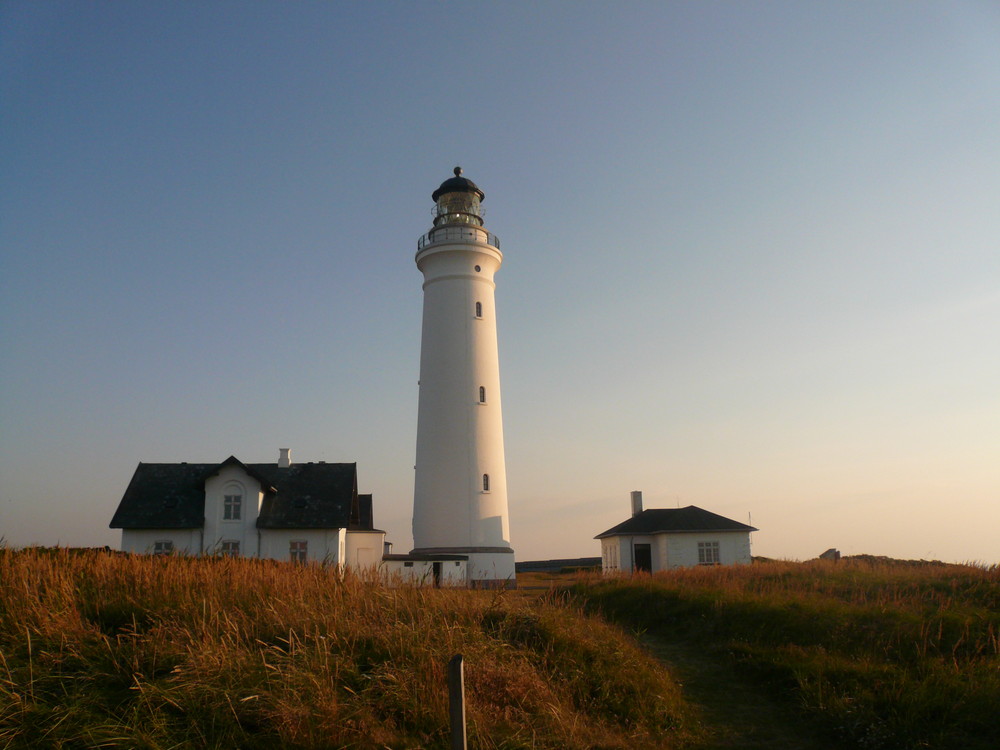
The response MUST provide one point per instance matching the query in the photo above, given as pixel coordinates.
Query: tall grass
(890, 655)
(106, 650)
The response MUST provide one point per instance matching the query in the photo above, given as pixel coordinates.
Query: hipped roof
(690, 519)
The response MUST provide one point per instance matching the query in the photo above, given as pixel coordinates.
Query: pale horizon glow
(751, 257)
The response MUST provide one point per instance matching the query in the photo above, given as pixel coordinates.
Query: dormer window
(232, 508)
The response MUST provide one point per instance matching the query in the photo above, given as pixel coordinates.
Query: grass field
(883, 654)
(99, 649)
(106, 650)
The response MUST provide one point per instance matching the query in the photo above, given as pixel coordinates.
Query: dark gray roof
(164, 496)
(690, 519)
(309, 496)
(301, 496)
(457, 184)
(425, 557)
(364, 520)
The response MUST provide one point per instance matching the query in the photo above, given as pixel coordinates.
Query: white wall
(232, 480)
(490, 567)
(674, 550)
(322, 545)
(363, 549)
(141, 541)
(682, 549)
(610, 555)
(458, 438)
(453, 572)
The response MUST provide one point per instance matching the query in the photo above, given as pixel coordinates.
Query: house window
(163, 547)
(479, 309)
(298, 551)
(482, 394)
(230, 548)
(708, 553)
(486, 482)
(232, 508)
(407, 565)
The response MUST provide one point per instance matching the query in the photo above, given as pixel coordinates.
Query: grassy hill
(107, 650)
(99, 649)
(882, 653)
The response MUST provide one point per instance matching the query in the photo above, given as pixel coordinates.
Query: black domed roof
(457, 184)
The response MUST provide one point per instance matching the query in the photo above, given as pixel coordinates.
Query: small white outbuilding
(663, 539)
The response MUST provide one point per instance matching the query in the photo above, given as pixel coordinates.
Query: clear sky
(752, 256)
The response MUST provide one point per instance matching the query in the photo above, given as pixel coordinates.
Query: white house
(281, 511)
(662, 539)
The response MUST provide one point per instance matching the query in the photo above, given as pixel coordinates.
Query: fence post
(456, 702)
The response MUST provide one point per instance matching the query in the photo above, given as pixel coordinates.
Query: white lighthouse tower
(460, 489)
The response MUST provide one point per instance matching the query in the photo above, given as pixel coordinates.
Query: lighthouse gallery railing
(444, 234)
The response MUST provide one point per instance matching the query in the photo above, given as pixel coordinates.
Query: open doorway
(643, 558)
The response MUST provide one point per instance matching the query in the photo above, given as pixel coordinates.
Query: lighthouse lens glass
(458, 208)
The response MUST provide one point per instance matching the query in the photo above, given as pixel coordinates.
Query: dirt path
(737, 713)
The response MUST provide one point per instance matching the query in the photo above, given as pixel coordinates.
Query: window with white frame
(298, 551)
(230, 548)
(163, 547)
(708, 553)
(232, 507)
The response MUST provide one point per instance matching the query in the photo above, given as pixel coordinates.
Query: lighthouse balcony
(457, 234)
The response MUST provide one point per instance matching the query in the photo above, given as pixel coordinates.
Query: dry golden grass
(105, 650)
(888, 654)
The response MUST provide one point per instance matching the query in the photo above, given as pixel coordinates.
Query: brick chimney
(284, 458)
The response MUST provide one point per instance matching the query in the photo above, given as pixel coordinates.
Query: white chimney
(284, 458)
(636, 502)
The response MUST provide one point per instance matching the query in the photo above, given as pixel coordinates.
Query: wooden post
(456, 702)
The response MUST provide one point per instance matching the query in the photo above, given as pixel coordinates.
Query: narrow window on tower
(479, 309)
(486, 482)
(482, 394)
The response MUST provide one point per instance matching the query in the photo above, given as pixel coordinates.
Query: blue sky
(751, 256)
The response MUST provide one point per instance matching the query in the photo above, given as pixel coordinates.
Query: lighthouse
(460, 487)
